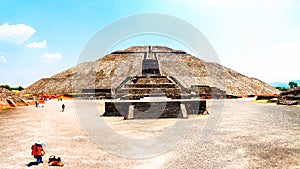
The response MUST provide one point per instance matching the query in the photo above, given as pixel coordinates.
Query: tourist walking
(63, 107)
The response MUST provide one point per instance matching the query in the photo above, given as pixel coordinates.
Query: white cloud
(16, 34)
(52, 56)
(37, 44)
(2, 59)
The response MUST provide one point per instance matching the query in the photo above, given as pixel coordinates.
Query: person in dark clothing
(63, 107)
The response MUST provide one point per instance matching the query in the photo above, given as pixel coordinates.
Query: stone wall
(207, 91)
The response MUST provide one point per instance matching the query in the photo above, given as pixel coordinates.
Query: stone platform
(139, 109)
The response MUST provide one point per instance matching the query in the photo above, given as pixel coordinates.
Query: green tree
(293, 84)
(281, 88)
(6, 86)
(20, 88)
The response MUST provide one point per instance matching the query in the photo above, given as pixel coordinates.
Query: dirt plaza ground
(245, 135)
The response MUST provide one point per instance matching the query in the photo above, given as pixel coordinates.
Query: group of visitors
(37, 150)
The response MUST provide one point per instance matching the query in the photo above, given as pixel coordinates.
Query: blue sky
(41, 38)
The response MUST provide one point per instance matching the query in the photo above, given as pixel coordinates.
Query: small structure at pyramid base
(152, 95)
(137, 109)
(289, 97)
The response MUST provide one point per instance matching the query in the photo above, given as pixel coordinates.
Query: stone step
(151, 85)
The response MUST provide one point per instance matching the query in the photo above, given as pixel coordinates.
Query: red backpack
(37, 149)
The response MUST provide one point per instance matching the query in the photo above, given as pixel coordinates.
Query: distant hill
(110, 70)
(284, 84)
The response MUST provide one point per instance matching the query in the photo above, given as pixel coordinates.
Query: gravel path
(248, 135)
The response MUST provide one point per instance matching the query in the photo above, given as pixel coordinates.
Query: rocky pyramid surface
(110, 70)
